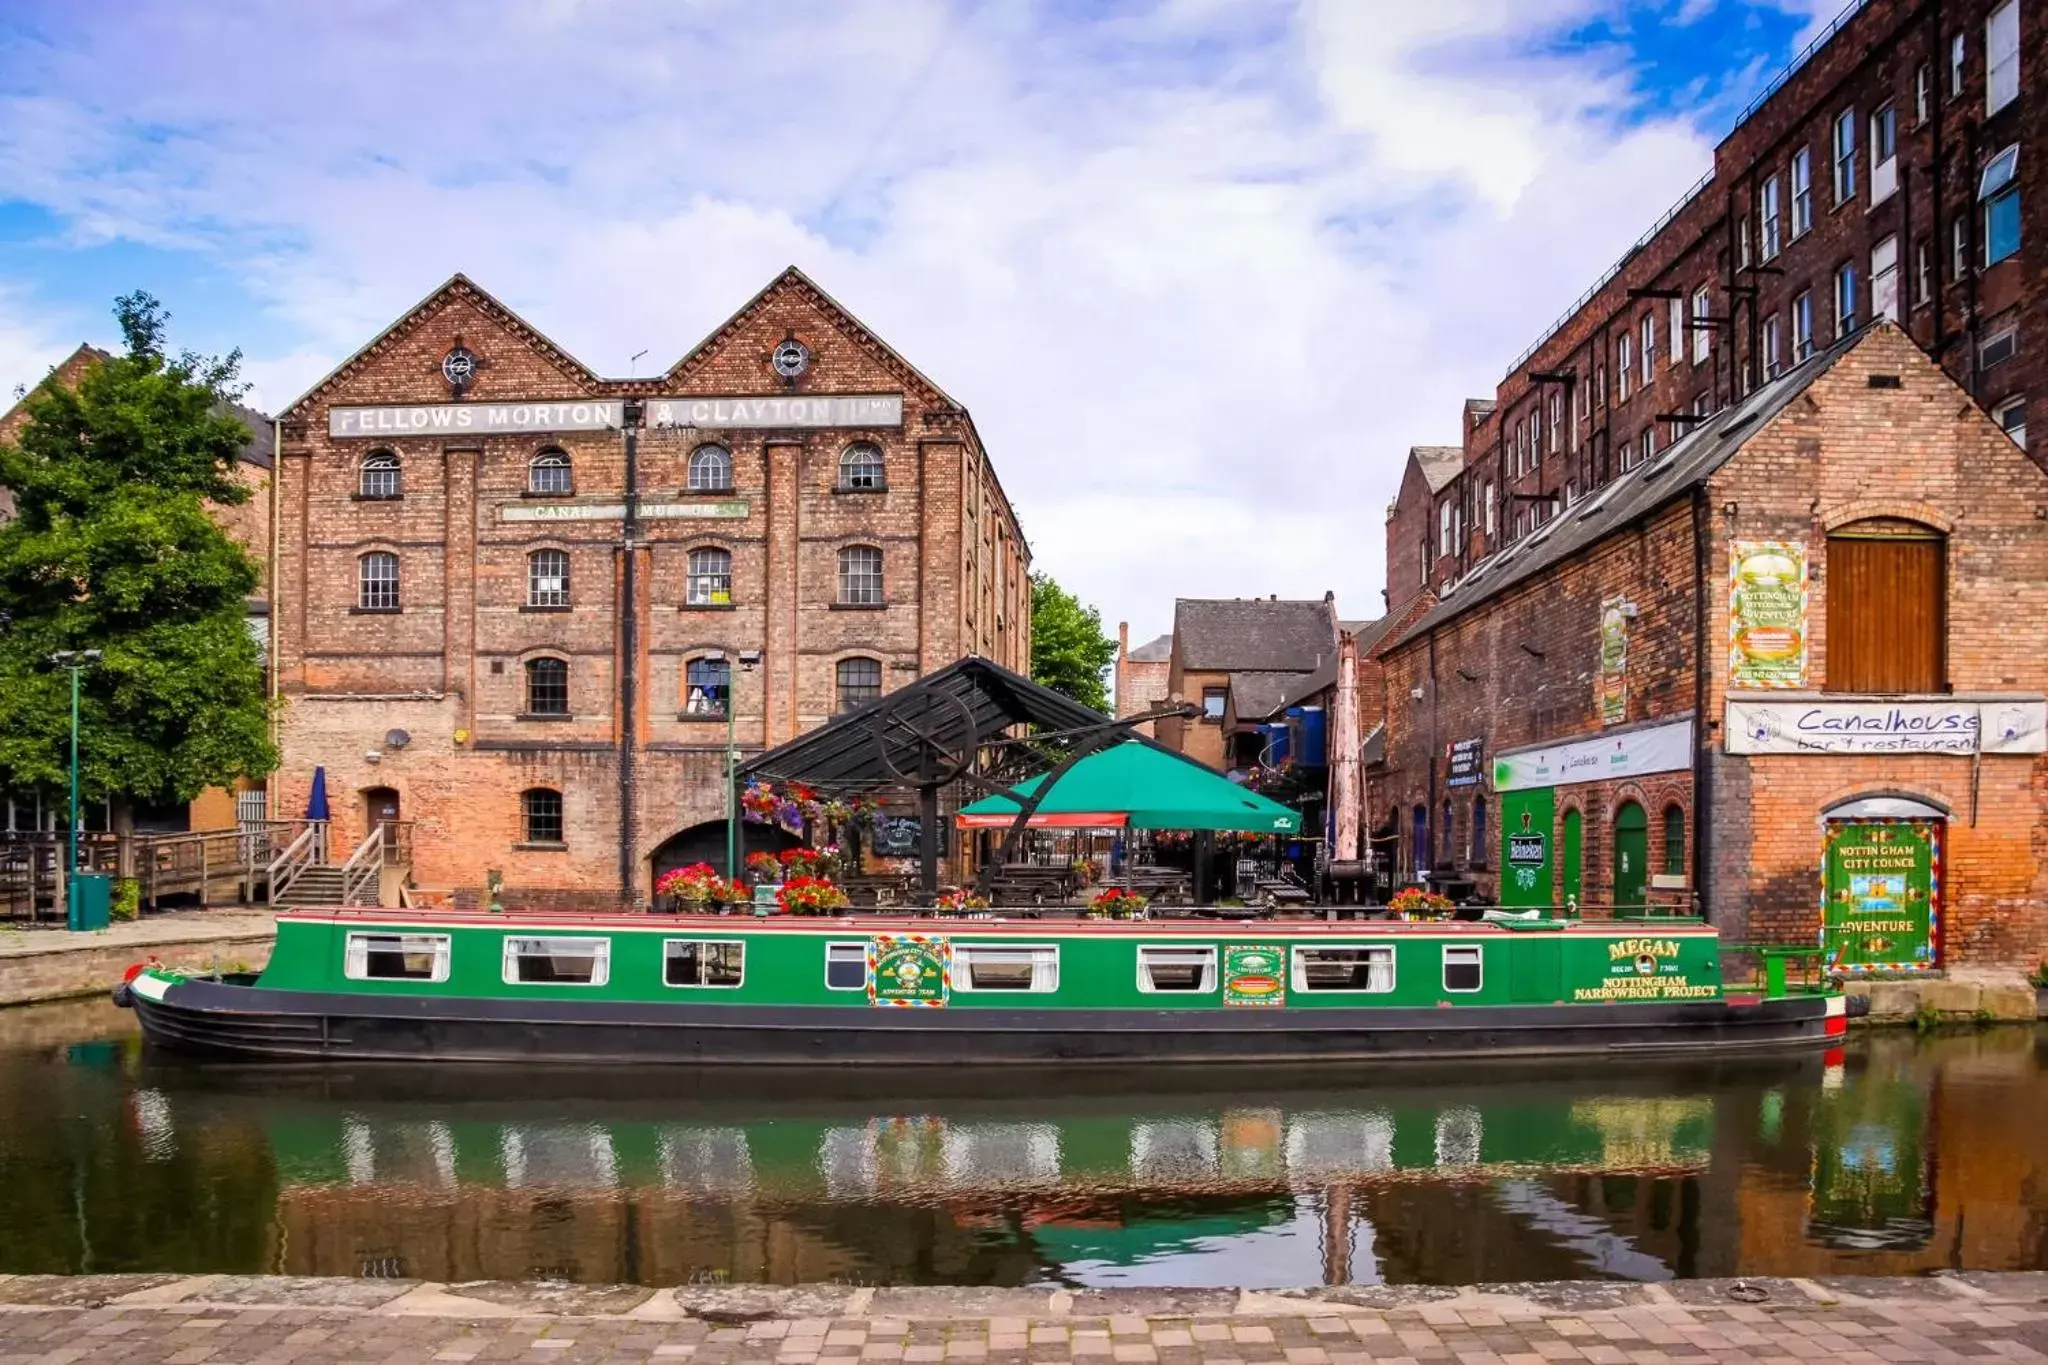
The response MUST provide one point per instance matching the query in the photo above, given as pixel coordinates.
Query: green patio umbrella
(1138, 786)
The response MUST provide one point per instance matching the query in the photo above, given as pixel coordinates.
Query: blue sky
(1202, 269)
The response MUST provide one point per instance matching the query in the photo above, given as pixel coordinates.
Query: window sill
(859, 606)
(708, 606)
(724, 492)
(376, 497)
(855, 492)
(544, 715)
(545, 610)
(543, 846)
(376, 611)
(536, 493)
(701, 717)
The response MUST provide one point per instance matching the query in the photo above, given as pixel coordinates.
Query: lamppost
(749, 660)
(76, 660)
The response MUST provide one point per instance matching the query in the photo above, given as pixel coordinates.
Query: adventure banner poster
(1881, 883)
(1767, 591)
(1613, 683)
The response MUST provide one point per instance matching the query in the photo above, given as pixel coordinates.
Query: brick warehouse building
(1895, 170)
(1791, 667)
(471, 636)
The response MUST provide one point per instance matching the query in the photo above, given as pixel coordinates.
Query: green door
(1631, 856)
(1574, 857)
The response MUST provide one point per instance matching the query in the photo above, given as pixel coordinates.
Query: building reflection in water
(1901, 1157)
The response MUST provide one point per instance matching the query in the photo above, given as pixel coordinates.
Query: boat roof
(1065, 923)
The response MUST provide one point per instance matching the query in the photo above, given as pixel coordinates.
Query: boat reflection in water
(1864, 1163)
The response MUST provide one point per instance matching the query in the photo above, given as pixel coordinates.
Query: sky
(1202, 270)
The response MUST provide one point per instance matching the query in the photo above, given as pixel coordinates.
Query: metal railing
(205, 864)
(364, 868)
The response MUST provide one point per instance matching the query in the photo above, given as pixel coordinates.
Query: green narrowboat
(897, 990)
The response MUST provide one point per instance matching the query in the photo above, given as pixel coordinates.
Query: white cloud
(1203, 269)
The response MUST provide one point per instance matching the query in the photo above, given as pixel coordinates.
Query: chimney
(1123, 640)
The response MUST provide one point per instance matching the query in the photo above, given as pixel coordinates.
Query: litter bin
(90, 897)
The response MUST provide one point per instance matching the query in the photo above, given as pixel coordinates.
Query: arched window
(1448, 835)
(710, 579)
(377, 581)
(547, 578)
(707, 687)
(549, 473)
(710, 470)
(1421, 843)
(547, 687)
(860, 682)
(860, 467)
(378, 477)
(1886, 608)
(1674, 841)
(860, 576)
(1479, 849)
(540, 810)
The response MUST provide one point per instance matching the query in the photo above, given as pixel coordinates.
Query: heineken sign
(1528, 850)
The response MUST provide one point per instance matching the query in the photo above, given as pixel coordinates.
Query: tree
(1069, 652)
(111, 548)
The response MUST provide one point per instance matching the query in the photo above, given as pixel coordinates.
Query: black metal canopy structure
(971, 721)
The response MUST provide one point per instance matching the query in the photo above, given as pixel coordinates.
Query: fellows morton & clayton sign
(596, 414)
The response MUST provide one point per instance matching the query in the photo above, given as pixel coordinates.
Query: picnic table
(1030, 884)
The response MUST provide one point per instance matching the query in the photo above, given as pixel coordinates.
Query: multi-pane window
(540, 810)
(1649, 326)
(1845, 300)
(2002, 57)
(549, 473)
(860, 576)
(1674, 841)
(2011, 416)
(547, 687)
(1767, 217)
(1742, 242)
(860, 467)
(1802, 191)
(1958, 248)
(1845, 156)
(1487, 503)
(1443, 529)
(377, 581)
(1923, 271)
(707, 687)
(1884, 153)
(709, 583)
(1958, 47)
(1923, 92)
(860, 682)
(547, 578)
(1624, 365)
(1773, 361)
(1802, 326)
(1702, 336)
(1536, 436)
(710, 470)
(1556, 417)
(1999, 191)
(378, 477)
(1675, 325)
(1884, 279)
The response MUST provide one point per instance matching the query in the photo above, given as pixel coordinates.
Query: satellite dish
(396, 739)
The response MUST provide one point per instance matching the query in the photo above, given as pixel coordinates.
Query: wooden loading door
(1886, 611)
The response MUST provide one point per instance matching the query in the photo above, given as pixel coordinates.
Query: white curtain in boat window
(558, 961)
(1003, 967)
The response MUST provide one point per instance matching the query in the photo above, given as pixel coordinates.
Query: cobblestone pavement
(223, 1320)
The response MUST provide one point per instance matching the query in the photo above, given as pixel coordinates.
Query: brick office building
(472, 636)
(1789, 668)
(1895, 170)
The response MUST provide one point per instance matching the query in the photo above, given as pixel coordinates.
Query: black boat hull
(249, 1021)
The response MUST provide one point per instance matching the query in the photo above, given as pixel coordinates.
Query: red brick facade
(448, 666)
(1880, 436)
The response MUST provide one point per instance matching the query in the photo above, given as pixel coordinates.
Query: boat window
(1461, 968)
(397, 957)
(1006, 968)
(846, 966)
(1344, 969)
(558, 961)
(1176, 969)
(691, 962)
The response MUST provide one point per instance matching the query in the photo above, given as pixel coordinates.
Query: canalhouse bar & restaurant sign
(2010, 725)
(584, 414)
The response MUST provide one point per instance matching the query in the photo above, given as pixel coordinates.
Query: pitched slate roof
(1255, 696)
(1439, 464)
(1682, 466)
(1262, 634)
(1152, 651)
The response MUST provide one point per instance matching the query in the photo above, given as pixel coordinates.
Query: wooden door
(1886, 613)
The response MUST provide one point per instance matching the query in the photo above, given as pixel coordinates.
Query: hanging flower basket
(1117, 903)
(810, 896)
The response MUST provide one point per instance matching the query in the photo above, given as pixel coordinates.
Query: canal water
(1897, 1155)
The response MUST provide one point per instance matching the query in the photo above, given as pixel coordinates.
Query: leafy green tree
(112, 548)
(1069, 652)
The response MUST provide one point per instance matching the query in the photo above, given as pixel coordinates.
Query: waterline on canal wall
(40, 965)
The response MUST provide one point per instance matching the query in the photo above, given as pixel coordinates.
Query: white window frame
(1999, 415)
(1884, 279)
(1702, 337)
(1801, 313)
(1843, 143)
(1674, 323)
(356, 955)
(1801, 176)
(1624, 365)
(1443, 530)
(1648, 359)
(1045, 967)
(1742, 244)
(1958, 53)
(1297, 975)
(1923, 271)
(545, 589)
(1202, 954)
(1845, 293)
(1556, 417)
(740, 943)
(709, 469)
(858, 948)
(2006, 336)
(1958, 248)
(600, 973)
(1923, 93)
(1478, 952)
(1774, 361)
(1767, 218)
(2001, 57)
(1884, 173)
(1998, 182)
(1489, 505)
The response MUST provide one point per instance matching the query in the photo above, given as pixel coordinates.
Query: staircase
(318, 885)
(303, 876)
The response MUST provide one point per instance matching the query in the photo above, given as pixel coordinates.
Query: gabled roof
(1262, 634)
(457, 285)
(1156, 651)
(1439, 464)
(1674, 472)
(1255, 696)
(793, 278)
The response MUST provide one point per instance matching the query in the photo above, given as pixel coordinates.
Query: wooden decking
(226, 866)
